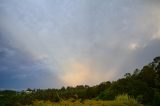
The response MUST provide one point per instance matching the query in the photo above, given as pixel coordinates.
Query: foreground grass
(122, 100)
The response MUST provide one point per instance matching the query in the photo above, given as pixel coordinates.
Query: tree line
(143, 85)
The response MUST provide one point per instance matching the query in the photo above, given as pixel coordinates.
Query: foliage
(143, 85)
(122, 100)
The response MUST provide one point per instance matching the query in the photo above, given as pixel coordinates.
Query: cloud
(133, 46)
(55, 43)
(19, 70)
(75, 73)
(156, 36)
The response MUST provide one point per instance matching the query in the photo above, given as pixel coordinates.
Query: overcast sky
(54, 43)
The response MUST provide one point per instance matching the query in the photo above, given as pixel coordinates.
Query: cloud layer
(54, 43)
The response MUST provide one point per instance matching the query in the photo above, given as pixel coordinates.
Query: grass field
(122, 100)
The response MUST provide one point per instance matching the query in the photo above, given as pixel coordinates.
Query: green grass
(123, 100)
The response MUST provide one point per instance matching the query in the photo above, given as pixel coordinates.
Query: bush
(127, 100)
(156, 100)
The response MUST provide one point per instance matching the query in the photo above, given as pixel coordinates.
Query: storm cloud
(57, 42)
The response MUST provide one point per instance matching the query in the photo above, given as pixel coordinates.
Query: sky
(55, 43)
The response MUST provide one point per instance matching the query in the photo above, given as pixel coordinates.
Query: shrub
(127, 100)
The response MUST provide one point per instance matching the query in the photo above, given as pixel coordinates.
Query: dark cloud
(142, 56)
(19, 71)
(44, 43)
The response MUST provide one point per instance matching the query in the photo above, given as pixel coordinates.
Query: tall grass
(122, 100)
(125, 99)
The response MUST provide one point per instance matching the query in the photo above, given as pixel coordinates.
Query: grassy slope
(122, 100)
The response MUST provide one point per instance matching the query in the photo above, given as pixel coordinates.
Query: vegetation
(140, 87)
(123, 100)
